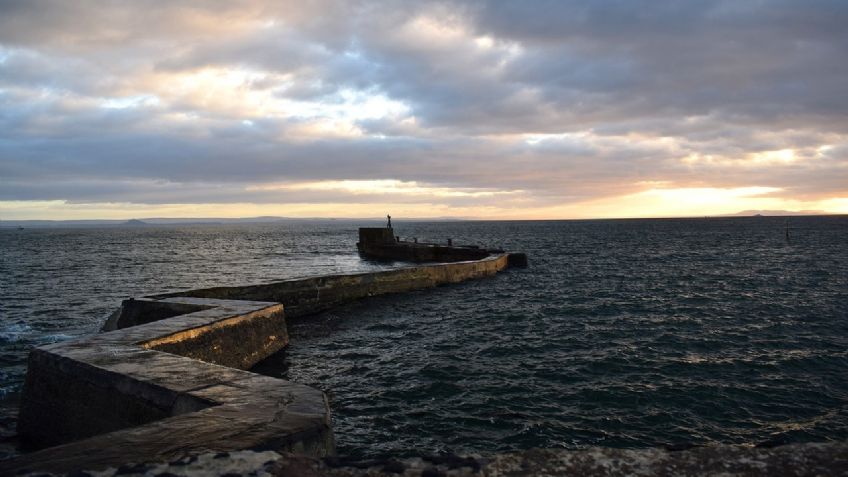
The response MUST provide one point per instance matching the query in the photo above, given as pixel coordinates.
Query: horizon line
(265, 218)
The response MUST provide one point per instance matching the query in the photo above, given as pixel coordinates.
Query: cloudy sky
(501, 109)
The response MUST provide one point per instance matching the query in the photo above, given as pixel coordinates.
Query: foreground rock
(826, 459)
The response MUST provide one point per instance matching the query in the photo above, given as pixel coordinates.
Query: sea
(619, 333)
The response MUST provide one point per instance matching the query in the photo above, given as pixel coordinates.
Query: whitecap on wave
(14, 332)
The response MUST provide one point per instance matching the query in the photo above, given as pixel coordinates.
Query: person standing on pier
(389, 225)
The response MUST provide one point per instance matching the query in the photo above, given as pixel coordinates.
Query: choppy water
(620, 333)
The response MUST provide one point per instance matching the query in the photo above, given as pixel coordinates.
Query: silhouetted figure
(389, 225)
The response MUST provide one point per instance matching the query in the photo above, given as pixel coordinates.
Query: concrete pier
(168, 376)
(381, 243)
(167, 388)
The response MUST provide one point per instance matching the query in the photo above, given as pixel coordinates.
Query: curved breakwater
(166, 378)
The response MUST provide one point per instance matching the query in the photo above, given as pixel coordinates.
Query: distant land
(747, 213)
(134, 222)
(200, 221)
(272, 219)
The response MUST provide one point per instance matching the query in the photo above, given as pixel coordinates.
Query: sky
(478, 109)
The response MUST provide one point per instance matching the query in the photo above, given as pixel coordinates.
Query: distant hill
(159, 221)
(750, 213)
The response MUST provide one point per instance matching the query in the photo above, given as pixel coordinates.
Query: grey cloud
(759, 60)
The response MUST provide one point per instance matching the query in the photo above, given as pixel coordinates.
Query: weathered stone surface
(311, 295)
(822, 459)
(381, 243)
(381, 235)
(138, 312)
(825, 459)
(517, 260)
(801, 459)
(129, 396)
(238, 342)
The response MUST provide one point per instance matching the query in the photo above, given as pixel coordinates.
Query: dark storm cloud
(686, 93)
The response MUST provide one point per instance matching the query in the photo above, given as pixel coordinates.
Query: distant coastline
(154, 221)
(776, 213)
(202, 221)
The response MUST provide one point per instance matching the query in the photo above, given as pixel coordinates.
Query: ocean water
(624, 333)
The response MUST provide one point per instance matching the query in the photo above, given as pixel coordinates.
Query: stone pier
(168, 376)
